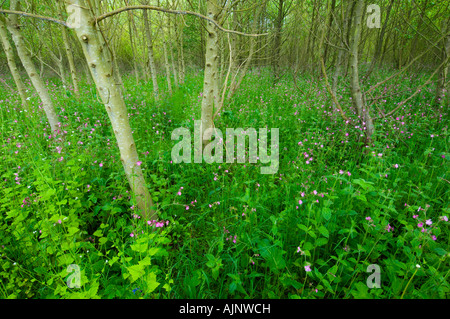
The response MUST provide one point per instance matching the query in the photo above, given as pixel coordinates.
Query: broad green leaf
(152, 284)
(136, 272)
(326, 213)
(324, 231)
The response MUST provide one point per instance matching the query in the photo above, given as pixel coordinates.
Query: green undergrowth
(70, 227)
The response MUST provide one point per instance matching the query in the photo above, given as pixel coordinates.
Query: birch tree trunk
(151, 61)
(167, 66)
(73, 72)
(210, 84)
(132, 44)
(100, 63)
(357, 96)
(174, 69)
(181, 66)
(13, 27)
(12, 65)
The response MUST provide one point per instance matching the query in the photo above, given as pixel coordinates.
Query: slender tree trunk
(419, 26)
(13, 26)
(442, 91)
(174, 69)
(117, 74)
(210, 87)
(235, 85)
(87, 73)
(357, 96)
(234, 40)
(329, 26)
(12, 65)
(276, 53)
(346, 16)
(151, 60)
(133, 50)
(100, 63)
(181, 64)
(380, 39)
(167, 66)
(60, 65)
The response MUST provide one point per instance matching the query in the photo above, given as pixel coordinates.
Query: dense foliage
(226, 231)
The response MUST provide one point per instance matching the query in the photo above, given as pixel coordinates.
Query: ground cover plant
(311, 230)
(348, 214)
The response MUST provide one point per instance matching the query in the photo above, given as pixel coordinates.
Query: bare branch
(405, 68)
(415, 93)
(331, 92)
(182, 12)
(127, 8)
(30, 15)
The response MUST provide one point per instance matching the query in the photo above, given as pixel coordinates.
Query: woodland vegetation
(93, 204)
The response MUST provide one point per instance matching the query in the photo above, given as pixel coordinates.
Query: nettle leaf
(321, 241)
(136, 272)
(65, 259)
(308, 246)
(440, 251)
(324, 231)
(326, 213)
(364, 184)
(152, 284)
(361, 292)
(98, 233)
(73, 230)
(211, 261)
(274, 258)
(145, 262)
(140, 246)
(62, 202)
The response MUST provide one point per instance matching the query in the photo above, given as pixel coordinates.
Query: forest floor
(334, 211)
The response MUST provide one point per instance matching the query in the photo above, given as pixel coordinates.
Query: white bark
(101, 67)
(151, 59)
(73, 73)
(210, 84)
(357, 97)
(12, 64)
(167, 66)
(24, 55)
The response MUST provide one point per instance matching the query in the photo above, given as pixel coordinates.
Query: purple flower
(308, 268)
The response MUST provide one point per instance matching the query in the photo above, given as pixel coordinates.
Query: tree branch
(127, 8)
(331, 92)
(415, 93)
(182, 12)
(404, 68)
(30, 15)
